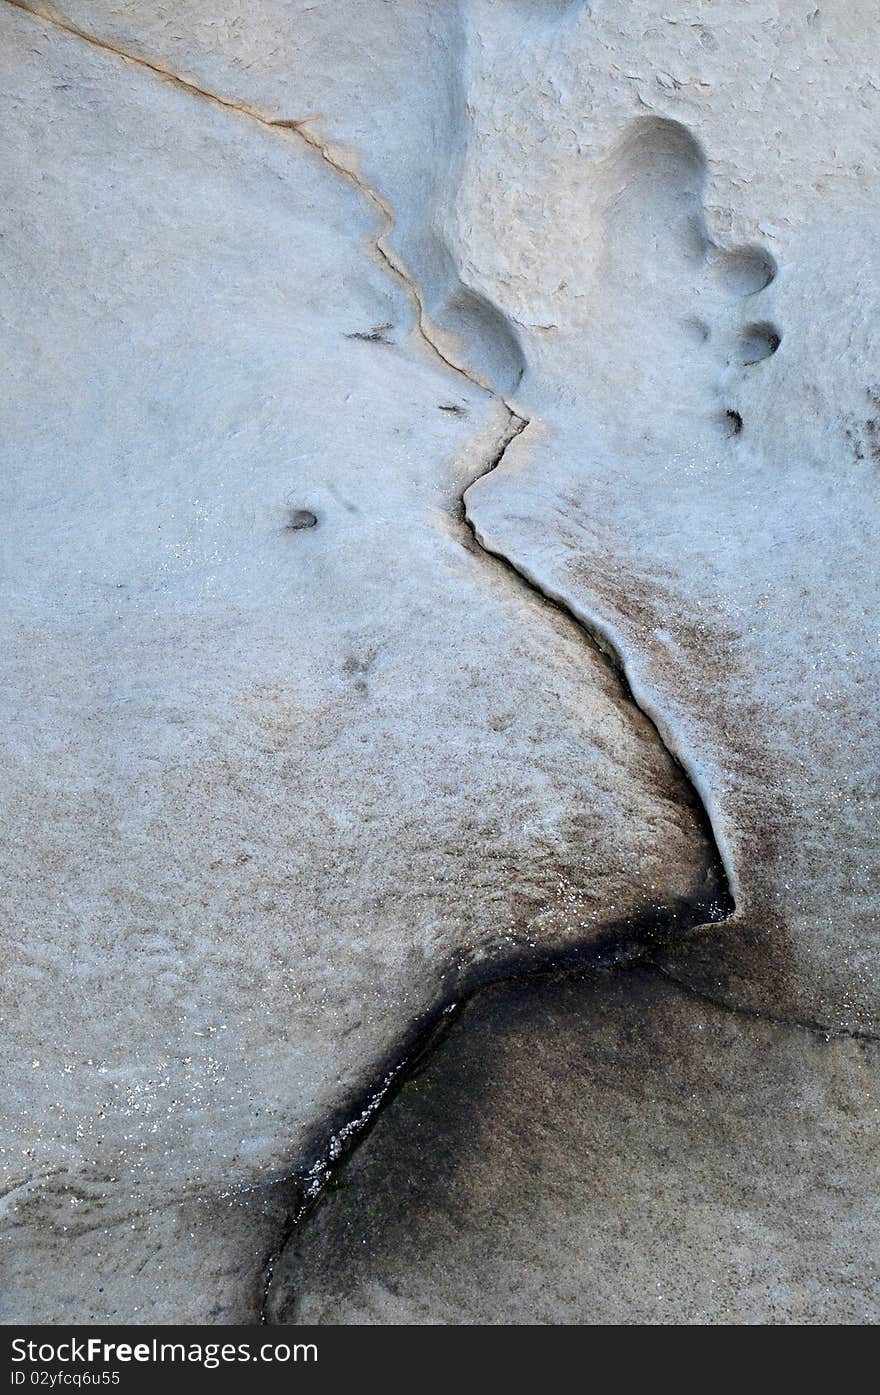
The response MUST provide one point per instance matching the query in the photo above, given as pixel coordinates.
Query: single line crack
(36, 12)
(298, 129)
(594, 637)
(757, 1015)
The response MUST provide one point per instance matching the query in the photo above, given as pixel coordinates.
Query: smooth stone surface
(270, 794)
(656, 227)
(607, 1150)
(653, 228)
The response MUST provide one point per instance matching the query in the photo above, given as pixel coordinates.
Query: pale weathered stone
(272, 793)
(287, 763)
(634, 207)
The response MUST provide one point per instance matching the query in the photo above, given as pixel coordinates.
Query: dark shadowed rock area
(606, 1149)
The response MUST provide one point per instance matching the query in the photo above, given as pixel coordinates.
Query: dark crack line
(626, 942)
(603, 646)
(758, 1015)
(432, 1039)
(627, 945)
(622, 949)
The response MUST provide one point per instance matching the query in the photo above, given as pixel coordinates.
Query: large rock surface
(654, 228)
(274, 792)
(287, 759)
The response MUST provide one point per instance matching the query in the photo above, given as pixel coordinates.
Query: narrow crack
(800, 1024)
(596, 639)
(297, 129)
(36, 12)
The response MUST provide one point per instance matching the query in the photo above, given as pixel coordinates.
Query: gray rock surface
(290, 760)
(607, 1150)
(654, 228)
(193, 1262)
(271, 793)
